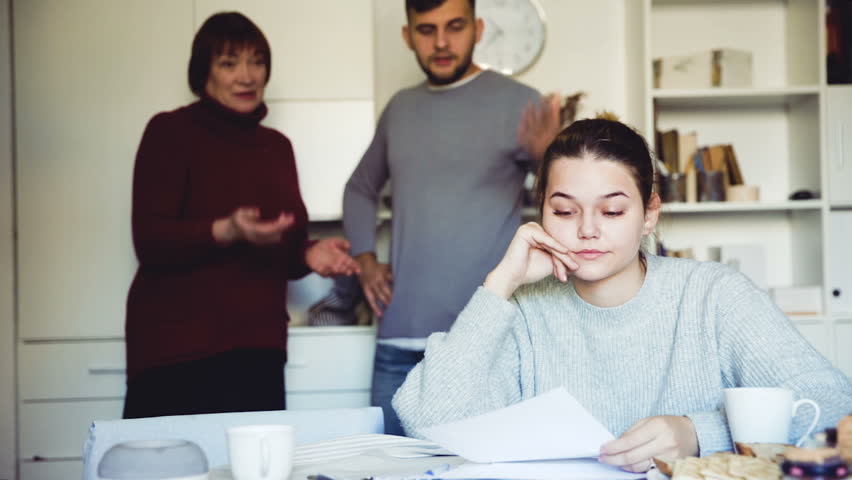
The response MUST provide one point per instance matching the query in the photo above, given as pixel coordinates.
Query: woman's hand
(667, 436)
(376, 279)
(532, 255)
(330, 256)
(245, 225)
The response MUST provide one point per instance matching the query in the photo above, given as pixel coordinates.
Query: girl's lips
(589, 254)
(246, 95)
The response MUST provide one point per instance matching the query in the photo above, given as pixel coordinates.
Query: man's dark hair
(421, 6)
(227, 30)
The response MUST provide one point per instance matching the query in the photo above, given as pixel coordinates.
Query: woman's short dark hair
(231, 31)
(602, 139)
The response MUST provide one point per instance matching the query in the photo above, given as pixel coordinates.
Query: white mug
(764, 415)
(261, 452)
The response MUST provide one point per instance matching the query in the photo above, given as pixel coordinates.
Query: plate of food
(754, 462)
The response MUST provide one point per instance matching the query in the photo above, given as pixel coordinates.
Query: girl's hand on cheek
(532, 255)
(666, 436)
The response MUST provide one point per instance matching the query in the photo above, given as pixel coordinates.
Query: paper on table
(575, 469)
(549, 426)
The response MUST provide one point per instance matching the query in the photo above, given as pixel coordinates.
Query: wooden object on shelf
(687, 145)
(735, 175)
(718, 67)
(742, 193)
(670, 151)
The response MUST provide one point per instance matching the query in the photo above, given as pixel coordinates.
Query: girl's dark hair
(231, 31)
(602, 139)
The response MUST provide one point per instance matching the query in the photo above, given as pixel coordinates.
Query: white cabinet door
(843, 345)
(89, 74)
(62, 470)
(840, 261)
(818, 334)
(72, 370)
(321, 49)
(324, 165)
(330, 359)
(56, 430)
(838, 128)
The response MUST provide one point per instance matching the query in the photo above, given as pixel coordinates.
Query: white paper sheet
(552, 425)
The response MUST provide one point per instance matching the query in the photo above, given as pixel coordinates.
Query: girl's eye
(613, 213)
(563, 213)
(227, 64)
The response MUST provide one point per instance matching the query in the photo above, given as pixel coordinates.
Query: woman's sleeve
(760, 347)
(472, 369)
(160, 179)
(295, 244)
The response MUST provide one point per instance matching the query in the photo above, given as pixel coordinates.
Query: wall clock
(513, 37)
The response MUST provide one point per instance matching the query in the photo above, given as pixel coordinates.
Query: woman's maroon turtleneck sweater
(192, 298)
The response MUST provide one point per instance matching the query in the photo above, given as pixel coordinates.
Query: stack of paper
(549, 436)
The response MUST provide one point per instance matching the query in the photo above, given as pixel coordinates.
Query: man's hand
(376, 279)
(667, 436)
(330, 256)
(539, 125)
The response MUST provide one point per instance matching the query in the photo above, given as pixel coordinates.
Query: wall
(7, 280)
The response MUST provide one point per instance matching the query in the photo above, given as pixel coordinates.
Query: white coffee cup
(261, 452)
(764, 415)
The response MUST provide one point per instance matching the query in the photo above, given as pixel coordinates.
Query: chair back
(209, 430)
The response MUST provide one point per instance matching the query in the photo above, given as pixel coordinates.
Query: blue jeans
(389, 371)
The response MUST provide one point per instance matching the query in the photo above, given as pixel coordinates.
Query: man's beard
(457, 74)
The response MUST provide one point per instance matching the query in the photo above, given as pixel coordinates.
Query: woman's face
(594, 208)
(237, 79)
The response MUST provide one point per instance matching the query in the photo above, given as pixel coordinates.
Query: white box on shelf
(802, 300)
(750, 260)
(721, 67)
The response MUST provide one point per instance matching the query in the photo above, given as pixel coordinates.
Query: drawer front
(63, 470)
(59, 429)
(305, 401)
(329, 362)
(72, 370)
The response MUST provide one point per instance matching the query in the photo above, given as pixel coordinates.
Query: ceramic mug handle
(807, 401)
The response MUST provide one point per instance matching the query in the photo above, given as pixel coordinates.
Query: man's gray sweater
(457, 173)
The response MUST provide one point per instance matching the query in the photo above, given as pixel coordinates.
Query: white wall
(584, 50)
(7, 324)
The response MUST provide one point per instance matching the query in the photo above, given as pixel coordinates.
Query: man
(457, 149)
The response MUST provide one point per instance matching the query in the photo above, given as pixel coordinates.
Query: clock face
(513, 37)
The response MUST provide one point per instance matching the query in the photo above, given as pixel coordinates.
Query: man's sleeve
(361, 196)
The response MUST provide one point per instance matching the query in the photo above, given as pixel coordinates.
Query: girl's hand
(532, 255)
(667, 436)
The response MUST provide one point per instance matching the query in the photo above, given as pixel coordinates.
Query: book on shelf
(669, 151)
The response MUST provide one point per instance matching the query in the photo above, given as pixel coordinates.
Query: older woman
(219, 227)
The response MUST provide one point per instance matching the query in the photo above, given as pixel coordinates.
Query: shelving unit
(789, 131)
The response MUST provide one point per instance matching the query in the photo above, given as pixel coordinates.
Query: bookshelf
(789, 131)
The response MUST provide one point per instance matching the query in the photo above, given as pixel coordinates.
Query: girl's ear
(652, 214)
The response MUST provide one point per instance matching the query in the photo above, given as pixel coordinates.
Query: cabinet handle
(107, 370)
(842, 135)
